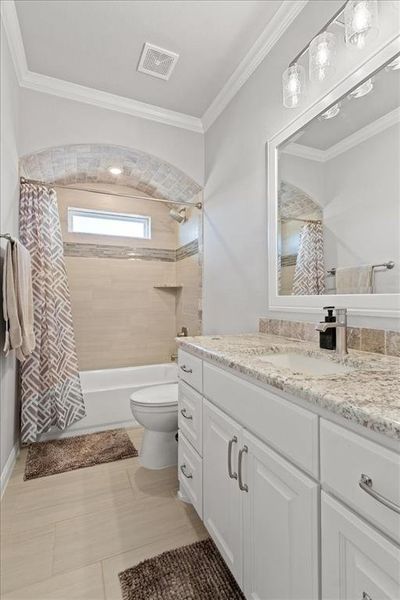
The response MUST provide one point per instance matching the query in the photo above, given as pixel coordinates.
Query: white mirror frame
(378, 305)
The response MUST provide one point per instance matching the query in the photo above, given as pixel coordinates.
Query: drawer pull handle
(242, 486)
(184, 414)
(365, 484)
(187, 475)
(366, 596)
(185, 369)
(231, 473)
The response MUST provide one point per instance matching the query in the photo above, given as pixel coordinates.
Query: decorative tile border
(122, 252)
(128, 252)
(289, 260)
(358, 338)
(187, 250)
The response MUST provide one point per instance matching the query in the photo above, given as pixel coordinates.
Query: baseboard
(56, 434)
(8, 468)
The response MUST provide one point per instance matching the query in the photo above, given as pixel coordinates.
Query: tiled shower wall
(121, 318)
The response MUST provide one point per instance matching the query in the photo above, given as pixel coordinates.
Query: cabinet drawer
(357, 562)
(345, 456)
(285, 426)
(190, 416)
(190, 369)
(190, 471)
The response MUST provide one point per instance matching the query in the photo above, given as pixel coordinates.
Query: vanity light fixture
(363, 89)
(394, 65)
(331, 112)
(294, 84)
(322, 53)
(115, 170)
(361, 21)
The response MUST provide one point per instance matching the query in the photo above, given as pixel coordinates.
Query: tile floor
(67, 536)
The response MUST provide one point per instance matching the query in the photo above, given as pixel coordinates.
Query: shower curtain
(309, 275)
(51, 392)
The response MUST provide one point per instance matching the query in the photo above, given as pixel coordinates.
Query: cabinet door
(357, 562)
(222, 509)
(280, 527)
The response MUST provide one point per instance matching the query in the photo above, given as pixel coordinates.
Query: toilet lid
(156, 395)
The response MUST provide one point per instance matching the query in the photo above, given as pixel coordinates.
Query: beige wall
(120, 318)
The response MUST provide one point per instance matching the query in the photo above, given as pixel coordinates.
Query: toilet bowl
(156, 409)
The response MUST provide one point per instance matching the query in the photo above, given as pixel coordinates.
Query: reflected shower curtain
(309, 275)
(51, 392)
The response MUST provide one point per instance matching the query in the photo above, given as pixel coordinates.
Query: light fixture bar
(324, 28)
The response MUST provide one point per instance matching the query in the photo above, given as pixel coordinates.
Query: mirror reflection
(338, 196)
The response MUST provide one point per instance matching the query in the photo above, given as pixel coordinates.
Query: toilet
(156, 409)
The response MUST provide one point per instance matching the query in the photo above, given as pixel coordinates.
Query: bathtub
(106, 394)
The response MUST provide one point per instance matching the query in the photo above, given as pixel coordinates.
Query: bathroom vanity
(293, 464)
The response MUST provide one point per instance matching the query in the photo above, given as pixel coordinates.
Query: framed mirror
(334, 199)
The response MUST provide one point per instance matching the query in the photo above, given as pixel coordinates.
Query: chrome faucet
(341, 330)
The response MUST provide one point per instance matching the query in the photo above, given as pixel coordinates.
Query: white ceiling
(98, 44)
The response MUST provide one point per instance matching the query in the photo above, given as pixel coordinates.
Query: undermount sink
(309, 365)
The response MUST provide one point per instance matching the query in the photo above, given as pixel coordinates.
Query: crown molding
(363, 134)
(307, 152)
(81, 93)
(72, 91)
(10, 21)
(348, 142)
(276, 27)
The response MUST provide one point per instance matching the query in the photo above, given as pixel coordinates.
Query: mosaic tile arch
(89, 163)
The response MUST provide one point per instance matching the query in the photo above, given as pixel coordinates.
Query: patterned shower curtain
(309, 274)
(51, 392)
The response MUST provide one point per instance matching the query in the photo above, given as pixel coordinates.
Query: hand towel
(23, 291)
(354, 280)
(13, 335)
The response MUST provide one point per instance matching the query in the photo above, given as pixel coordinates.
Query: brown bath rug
(68, 454)
(195, 572)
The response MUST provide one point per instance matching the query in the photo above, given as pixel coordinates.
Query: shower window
(99, 222)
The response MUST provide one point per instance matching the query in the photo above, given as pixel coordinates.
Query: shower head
(178, 215)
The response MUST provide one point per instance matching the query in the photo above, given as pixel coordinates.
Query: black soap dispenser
(327, 339)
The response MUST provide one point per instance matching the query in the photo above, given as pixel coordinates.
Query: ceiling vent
(157, 62)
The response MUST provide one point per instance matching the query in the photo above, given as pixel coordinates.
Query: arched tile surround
(89, 163)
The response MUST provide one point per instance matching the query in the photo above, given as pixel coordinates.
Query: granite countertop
(368, 395)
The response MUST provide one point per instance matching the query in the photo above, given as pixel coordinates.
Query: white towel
(354, 280)
(18, 301)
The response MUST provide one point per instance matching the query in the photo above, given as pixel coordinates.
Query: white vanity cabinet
(261, 512)
(358, 563)
(222, 501)
(277, 487)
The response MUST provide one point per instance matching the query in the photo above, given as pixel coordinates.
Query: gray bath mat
(195, 572)
(68, 454)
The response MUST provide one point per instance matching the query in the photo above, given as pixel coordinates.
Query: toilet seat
(156, 396)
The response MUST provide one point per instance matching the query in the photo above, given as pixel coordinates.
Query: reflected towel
(354, 280)
(13, 335)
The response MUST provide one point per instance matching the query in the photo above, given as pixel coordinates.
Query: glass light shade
(363, 89)
(294, 86)
(331, 112)
(322, 52)
(394, 65)
(361, 21)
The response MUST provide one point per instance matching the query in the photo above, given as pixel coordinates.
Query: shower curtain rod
(198, 205)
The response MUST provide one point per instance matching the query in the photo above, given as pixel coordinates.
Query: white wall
(361, 212)
(8, 224)
(48, 121)
(235, 234)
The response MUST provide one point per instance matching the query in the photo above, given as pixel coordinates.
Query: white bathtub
(106, 394)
